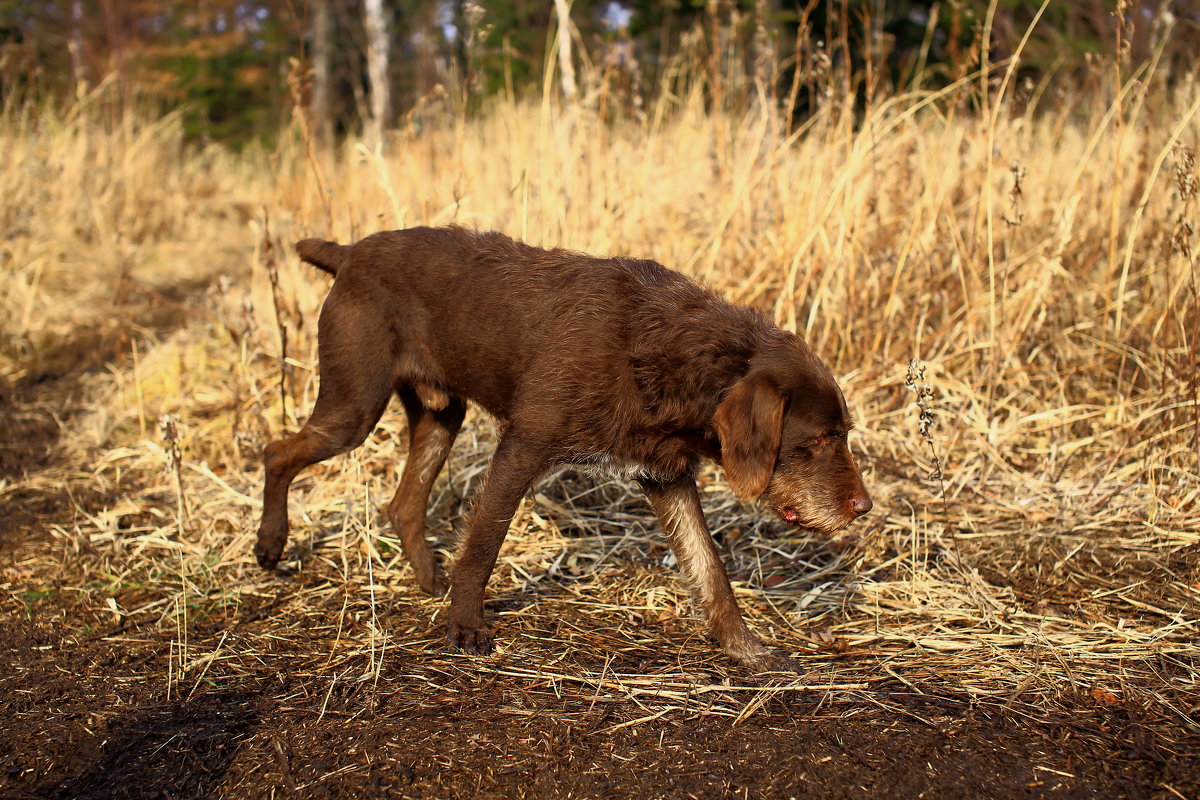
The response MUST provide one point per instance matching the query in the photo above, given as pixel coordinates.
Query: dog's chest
(604, 467)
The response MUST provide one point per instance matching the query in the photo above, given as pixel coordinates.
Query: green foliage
(230, 86)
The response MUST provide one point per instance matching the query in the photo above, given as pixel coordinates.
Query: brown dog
(611, 361)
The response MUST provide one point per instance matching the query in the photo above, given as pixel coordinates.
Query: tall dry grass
(1038, 257)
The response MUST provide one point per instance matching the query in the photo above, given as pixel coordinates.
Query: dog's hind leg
(354, 392)
(431, 432)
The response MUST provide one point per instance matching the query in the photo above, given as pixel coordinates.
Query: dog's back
(488, 319)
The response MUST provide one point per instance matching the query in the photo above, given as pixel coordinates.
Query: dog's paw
(267, 554)
(474, 640)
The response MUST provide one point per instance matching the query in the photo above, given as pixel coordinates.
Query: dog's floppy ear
(749, 422)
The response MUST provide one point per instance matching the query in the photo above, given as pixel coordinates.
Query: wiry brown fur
(602, 361)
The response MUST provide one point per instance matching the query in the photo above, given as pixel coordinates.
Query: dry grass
(1053, 564)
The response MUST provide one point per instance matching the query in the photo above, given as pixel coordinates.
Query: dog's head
(782, 430)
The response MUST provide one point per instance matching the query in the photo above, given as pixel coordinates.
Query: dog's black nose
(861, 504)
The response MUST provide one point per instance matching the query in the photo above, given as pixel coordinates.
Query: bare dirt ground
(320, 683)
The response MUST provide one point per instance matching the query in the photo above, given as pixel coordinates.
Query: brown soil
(90, 709)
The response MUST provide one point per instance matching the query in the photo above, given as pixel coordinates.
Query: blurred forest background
(235, 65)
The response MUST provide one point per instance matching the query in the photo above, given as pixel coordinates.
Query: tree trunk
(565, 65)
(75, 48)
(379, 34)
(322, 59)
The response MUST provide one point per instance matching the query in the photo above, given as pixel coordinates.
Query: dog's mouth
(793, 517)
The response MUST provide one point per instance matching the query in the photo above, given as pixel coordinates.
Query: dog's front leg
(515, 465)
(677, 505)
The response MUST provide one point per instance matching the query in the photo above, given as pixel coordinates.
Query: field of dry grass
(1033, 555)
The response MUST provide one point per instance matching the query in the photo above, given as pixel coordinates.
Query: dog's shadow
(183, 748)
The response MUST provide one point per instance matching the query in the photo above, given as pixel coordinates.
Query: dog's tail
(328, 256)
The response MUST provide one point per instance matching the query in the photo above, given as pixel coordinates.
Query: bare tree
(322, 59)
(75, 47)
(565, 64)
(379, 35)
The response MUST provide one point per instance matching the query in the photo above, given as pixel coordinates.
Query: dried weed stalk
(1016, 214)
(167, 427)
(916, 383)
(477, 35)
(1186, 183)
(267, 256)
(298, 80)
